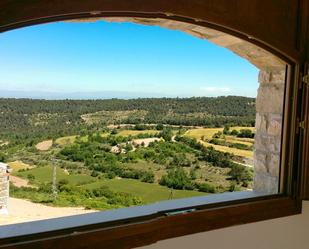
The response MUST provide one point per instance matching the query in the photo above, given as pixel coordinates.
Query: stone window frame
(172, 221)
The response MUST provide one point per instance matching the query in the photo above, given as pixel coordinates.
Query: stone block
(260, 161)
(272, 77)
(274, 126)
(265, 183)
(226, 40)
(3, 185)
(270, 99)
(261, 123)
(268, 144)
(274, 165)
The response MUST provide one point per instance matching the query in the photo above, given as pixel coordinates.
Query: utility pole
(54, 184)
(171, 196)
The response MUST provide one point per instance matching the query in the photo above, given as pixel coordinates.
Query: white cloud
(213, 89)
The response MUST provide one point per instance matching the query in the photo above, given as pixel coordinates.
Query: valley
(106, 156)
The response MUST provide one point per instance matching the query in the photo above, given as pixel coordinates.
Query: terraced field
(19, 165)
(126, 133)
(207, 134)
(236, 152)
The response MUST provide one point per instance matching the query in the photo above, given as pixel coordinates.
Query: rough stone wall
(269, 106)
(4, 188)
(269, 99)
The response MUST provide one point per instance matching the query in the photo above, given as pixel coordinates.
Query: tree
(128, 147)
(246, 133)
(114, 132)
(234, 132)
(217, 135)
(31, 177)
(241, 174)
(160, 127)
(206, 187)
(166, 134)
(193, 174)
(177, 179)
(226, 130)
(3, 157)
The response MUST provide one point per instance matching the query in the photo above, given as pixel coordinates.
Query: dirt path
(20, 182)
(25, 211)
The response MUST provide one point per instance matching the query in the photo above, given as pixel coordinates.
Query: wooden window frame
(231, 209)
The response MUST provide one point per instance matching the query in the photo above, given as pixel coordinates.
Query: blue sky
(63, 59)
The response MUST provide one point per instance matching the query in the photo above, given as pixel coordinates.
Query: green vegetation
(41, 119)
(149, 193)
(119, 153)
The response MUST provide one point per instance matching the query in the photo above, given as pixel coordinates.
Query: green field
(69, 140)
(65, 140)
(44, 175)
(148, 192)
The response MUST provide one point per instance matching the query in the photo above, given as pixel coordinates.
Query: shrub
(234, 132)
(241, 174)
(31, 177)
(3, 157)
(94, 173)
(226, 130)
(246, 133)
(206, 187)
(160, 127)
(166, 134)
(177, 179)
(148, 177)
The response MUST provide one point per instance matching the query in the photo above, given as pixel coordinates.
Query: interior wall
(283, 233)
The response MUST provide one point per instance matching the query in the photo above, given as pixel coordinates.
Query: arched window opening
(155, 131)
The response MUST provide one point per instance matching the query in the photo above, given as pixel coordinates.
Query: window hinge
(302, 125)
(306, 79)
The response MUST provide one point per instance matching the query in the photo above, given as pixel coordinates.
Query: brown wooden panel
(272, 22)
(305, 150)
(150, 231)
(304, 45)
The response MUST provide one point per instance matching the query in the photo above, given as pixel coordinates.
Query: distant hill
(29, 116)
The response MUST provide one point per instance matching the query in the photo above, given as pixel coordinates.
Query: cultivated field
(45, 145)
(202, 134)
(44, 175)
(126, 133)
(19, 165)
